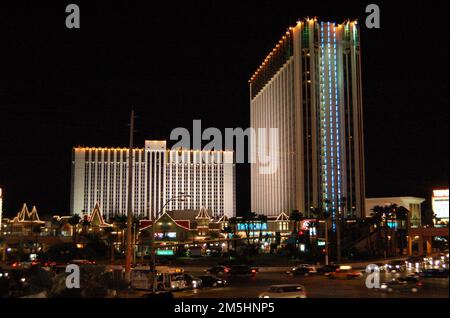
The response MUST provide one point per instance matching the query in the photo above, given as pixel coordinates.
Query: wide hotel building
(309, 87)
(100, 175)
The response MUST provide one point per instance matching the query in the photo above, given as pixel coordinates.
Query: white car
(285, 291)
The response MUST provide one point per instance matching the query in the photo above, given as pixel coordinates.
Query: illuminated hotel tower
(100, 175)
(309, 87)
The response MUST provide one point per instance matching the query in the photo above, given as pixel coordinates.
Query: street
(317, 286)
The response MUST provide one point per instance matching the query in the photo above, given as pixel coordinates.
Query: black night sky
(178, 61)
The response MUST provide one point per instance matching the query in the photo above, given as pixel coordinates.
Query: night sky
(179, 61)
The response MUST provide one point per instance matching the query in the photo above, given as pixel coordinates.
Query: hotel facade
(100, 175)
(309, 87)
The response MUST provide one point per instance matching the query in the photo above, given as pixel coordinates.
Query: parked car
(285, 291)
(402, 284)
(212, 281)
(434, 272)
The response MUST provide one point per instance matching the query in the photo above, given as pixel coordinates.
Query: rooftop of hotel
(283, 40)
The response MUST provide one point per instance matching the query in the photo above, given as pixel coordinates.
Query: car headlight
(266, 296)
(397, 266)
(219, 282)
(22, 280)
(383, 286)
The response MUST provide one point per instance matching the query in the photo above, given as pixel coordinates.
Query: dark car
(434, 273)
(241, 270)
(327, 269)
(212, 281)
(402, 284)
(4, 283)
(300, 270)
(192, 281)
(218, 270)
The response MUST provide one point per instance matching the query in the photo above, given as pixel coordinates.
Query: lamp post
(181, 197)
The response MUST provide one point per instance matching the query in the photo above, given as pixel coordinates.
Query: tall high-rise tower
(309, 87)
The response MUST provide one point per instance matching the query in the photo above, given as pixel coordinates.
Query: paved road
(316, 286)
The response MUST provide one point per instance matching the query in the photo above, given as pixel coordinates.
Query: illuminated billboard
(440, 203)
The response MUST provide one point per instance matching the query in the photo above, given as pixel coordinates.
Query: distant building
(310, 88)
(23, 223)
(440, 205)
(192, 229)
(100, 175)
(412, 204)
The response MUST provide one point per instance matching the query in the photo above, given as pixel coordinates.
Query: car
(395, 266)
(434, 273)
(4, 283)
(192, 281)
(241, 270)
(212, 281)
(402, 284)
(285, 291)
(327, 269)
(304, 270)
(178, 283)
(82, 262)
(217, 270)
(344, 272)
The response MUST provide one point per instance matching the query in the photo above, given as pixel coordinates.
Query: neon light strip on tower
(323, 117)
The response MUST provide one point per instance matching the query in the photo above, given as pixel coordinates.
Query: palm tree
(262, 220)
(120, 222)
(233, 223)
(228, 230)
(110, 239)
(248, 219)
(402, 216)
(323, 214)
(296, 216)
(85, 223)
(379, 216)
(56, 226)
(36, 229)
(74, 221)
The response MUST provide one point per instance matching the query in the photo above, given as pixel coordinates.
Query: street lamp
(182, 197)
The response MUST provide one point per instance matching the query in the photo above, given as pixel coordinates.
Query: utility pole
(130, 246)
(342, 204)
(326, 241)
(338, 235)
(182, 196)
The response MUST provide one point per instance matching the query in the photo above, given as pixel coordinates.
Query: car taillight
(253, 270)
(226, 270)
(419, 284)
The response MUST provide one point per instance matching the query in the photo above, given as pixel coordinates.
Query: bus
(167, 278)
